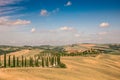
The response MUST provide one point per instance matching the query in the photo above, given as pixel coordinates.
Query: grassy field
(101, 67)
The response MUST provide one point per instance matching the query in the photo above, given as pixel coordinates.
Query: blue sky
(59, 22)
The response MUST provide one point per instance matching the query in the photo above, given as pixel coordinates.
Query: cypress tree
(58, 59)
(52, 61)
(17, 61)
(9, 65)
(25, 62)
(55, 60)
(22, 61)
(36, 62)
(14, 61)
(29, 61)
(42, 61)
(0, 61)
(47, 64)
(49, 61)
(32, 64)
(5, 60)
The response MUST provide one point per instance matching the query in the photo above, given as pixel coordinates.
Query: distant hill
(106, 48)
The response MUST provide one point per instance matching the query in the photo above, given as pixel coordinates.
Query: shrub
(62, 65)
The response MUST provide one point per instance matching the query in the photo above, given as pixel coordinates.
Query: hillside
(105, 48)
(105, 66)
(102, 67)
(74, 48)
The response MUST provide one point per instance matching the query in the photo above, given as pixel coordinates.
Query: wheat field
(102, 67)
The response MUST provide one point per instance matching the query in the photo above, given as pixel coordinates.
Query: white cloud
(5, 9)
(9, 10)
(5, 21)
(69, 3)
(33, 30)
(102, 33)
(104, 24)
(20, 22)
(44, 12)
(65, 28)
(8, 2)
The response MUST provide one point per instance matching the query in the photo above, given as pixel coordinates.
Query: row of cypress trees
(42, 61)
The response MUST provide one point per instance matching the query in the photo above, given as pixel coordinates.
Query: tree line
(36, 61)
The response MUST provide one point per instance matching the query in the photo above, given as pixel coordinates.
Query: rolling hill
(102, 67)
